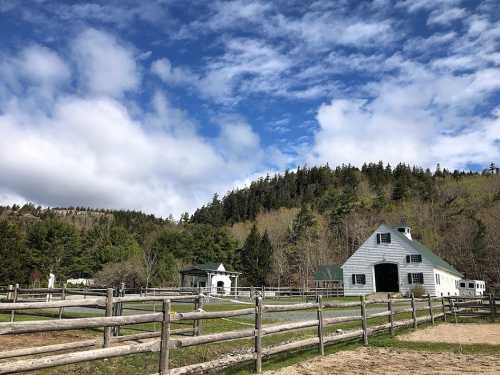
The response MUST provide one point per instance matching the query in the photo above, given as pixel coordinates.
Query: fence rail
(166, 339)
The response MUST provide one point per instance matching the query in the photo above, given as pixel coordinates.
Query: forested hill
(455, 213)
(278, 230)
(377, 184)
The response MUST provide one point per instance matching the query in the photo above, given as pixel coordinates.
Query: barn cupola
(403, 229)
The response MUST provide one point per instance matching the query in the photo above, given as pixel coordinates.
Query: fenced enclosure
(368, 317)
(251, 292)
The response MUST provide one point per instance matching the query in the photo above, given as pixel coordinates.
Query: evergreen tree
(264, 260)
(249, 257)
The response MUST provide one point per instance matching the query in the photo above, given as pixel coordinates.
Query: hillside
(303, 219)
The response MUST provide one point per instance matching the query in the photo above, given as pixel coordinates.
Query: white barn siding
(371, 253)
(447, 283)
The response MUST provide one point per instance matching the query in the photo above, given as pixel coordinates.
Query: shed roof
(329, 272)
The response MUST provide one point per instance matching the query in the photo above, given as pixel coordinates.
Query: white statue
(52, 280)
(51, 284)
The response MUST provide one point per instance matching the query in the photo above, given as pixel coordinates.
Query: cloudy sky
(155, 105)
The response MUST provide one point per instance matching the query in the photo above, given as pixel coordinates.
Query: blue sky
(156, 105)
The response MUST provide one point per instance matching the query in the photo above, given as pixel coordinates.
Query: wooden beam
(80, 323)
(363, 321)
(77, 357)
(109, 313)
(164, 338)
(320, 325)
(258, 335)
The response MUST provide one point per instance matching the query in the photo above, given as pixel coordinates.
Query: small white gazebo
(211, 277)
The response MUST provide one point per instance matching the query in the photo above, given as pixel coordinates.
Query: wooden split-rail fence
(167, 340)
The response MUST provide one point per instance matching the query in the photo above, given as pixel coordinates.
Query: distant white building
(471, 288)
(211, 277)
(80, 282)
(391, 261)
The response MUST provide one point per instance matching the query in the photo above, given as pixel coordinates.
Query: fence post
(9, 293)
(320, 325)
(13, 312)
(63, 297)
(165, 337)
(119, 309)
(413, 311)
(391, 314)
(453, 310)
(431, 313)
(258, 335)
(492, 307)
(109, 313)
(363, 320)
(444, 308)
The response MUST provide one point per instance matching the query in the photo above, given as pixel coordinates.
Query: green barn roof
(426, 252)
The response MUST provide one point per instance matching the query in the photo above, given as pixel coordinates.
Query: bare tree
(149, 257)
(150, 260)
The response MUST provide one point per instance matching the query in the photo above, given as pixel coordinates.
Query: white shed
(213, 278)
(391, 261)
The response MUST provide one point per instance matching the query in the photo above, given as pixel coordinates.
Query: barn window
(358, 279)
(383, 238)
(414, 258)
(416, 278)
(438, 278)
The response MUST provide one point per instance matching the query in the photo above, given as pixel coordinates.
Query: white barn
(390, 261)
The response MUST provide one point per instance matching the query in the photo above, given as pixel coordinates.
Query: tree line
(278, 230)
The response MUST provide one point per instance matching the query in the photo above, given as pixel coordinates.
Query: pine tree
(264, 259)
(249, 256)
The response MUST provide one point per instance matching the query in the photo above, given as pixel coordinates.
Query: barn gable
(390, 261)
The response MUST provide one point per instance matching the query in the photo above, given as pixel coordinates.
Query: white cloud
(106, 66)
(419, 117)
(418, 5)
(41, 65)
(446, 16)
(260, 64)
(91, 150)
(172, 75)
(233, 13)
(42, 69)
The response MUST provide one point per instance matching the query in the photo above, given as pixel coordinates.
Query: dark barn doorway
(386, 277)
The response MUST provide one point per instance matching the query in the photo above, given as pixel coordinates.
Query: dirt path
(457, 334)
(378, 361)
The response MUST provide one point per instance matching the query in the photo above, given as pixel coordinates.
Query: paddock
(382, 361)
(183, 334)
(468, 333)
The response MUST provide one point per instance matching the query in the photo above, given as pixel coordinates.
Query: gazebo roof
(206, 268)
